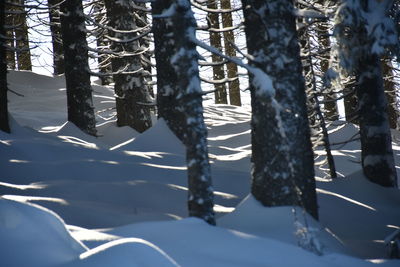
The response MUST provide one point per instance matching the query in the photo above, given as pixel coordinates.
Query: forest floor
(69, 199)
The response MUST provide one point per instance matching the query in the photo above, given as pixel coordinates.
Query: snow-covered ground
(68, 199)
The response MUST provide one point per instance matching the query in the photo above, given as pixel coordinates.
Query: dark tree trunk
(4, 124)
(77, 76)
(179, 99)
(350, 101)
(282, 156)
(215, 41)
(55, 28)
(9, 22)
(22, 39)
(232, 69)
(376, 142)
(130, 89)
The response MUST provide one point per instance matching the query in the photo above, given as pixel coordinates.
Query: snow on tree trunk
(4, 125)
(376, 142)
(364, 31)
(77, 77)
(55, 28)
(282, 157)
(179, 99)
(132, 94)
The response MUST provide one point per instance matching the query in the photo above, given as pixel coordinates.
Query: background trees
(281, 139)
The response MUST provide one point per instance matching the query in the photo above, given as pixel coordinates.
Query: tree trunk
(4, 124)
(282, 157)
(10, 42)
(179, 99)
(215, 41)
(55, 28)
(232, 69)
(330, 106)
(103, 60)
(131, 93)
(390, 92)
(22, 39)
(77, 77)
(376, 142)
(143, 22)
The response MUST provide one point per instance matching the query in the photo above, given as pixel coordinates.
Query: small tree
(179, 98)
(77, 76)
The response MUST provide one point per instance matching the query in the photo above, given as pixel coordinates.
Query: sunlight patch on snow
(227, 136)
(180, 168)
(6, 142)
(77, 141)
(24, 187)
(32, 198)
(216, 193)
(231, 157)
(147, 155)
(223, 209)
(345, 198)
(83, 234)
(122, 144)
(18, 161)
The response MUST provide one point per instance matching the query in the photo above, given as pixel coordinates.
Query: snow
(69, 199)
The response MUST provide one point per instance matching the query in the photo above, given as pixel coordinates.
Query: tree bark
(22, 38)
(132, 95)
(376, 142)
(220, 94)
(55, 28)
(77, 77)
(232, 69)
(282, 157)
(179, 98)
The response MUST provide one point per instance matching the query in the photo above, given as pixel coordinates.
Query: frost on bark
(389, 86)
(77, 77)
(232, 69)
(282, 157)
(55, 28)
(364, 31)
(215, 41)
(179, 99)
(4, 124)
(132, 96)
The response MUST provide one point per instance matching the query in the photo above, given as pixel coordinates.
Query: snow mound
(34, 236)
(127, 252)
(288, 225)
(157, 138)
